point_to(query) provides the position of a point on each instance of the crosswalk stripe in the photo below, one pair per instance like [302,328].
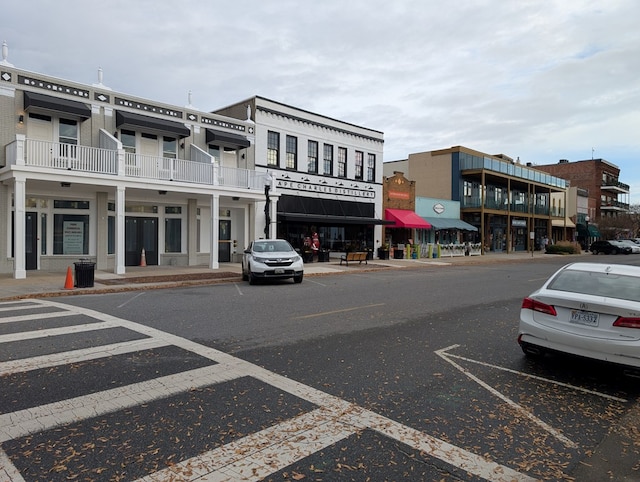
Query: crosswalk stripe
[64,330]
[36,316]
[76,356]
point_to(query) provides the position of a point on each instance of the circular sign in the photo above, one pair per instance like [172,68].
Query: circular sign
[438,208]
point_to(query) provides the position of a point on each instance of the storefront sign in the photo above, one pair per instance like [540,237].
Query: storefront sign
[325,189]
[438,208]
[398,195]
[519,223]
[73,232]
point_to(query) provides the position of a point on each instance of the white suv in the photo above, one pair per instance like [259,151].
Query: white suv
[271,259]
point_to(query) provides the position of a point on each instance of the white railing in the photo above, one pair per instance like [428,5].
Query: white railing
[56,155]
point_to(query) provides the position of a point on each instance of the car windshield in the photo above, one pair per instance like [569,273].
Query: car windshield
[271,246]
[598,284]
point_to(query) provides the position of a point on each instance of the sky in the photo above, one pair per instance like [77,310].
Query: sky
[535,80]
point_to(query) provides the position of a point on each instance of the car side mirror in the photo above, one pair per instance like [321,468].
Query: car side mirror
[247,251]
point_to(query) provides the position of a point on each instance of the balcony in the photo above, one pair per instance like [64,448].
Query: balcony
[614,186]
[118,163]
[614,206]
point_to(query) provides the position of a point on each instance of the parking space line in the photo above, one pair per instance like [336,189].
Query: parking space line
[76,356]
[333,312]
[546,380]
[519,408]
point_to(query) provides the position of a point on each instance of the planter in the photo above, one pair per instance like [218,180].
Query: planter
[307,256]
[323,256]
[383,253]
[398,254]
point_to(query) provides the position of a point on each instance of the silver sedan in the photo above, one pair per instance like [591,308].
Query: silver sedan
[585,309]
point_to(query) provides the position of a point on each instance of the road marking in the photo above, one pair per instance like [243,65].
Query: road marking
[315,282]
[519,408]
[76,356]
[547,380]
[345,310]
[238,288]
[131,299]
[23,305]
[65,330]
[338,418]
[35,316]
[8,471]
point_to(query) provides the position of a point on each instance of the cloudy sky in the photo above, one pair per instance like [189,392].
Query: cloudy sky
[537,80]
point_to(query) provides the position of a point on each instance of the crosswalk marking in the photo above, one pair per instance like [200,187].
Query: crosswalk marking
[35,316]
[65,330]
[77,356]
[250,458]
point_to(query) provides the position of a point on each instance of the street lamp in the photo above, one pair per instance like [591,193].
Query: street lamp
[267,205]
[586,220]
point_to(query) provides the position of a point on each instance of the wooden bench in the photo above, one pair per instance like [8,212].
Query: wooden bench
[353,256]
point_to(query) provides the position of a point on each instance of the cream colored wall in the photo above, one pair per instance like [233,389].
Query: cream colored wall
[432,174]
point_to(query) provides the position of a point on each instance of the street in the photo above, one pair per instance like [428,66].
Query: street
[408,374]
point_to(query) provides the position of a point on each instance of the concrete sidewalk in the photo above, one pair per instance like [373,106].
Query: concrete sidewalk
[47,284]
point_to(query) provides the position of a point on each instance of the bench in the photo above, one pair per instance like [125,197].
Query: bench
[353,256]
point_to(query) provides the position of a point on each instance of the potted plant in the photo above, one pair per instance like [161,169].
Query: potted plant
[383,251]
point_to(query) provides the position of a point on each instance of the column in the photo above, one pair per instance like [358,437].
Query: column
[119,234]
[102,230]
[215,230]
[192,232]
[20,259]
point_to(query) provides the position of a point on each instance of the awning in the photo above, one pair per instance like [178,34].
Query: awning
[328,219]
[226,139]
[133,120]
[404,218]
[450,223]
[55,104]
[593,231]
[560,223]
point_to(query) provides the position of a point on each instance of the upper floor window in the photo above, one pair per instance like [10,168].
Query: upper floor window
[273,148]
[68,132]
[292,152]
[359,164]
[371,167]
[342,162]
[169,147]
[312,163]
[328,159]
[128,139]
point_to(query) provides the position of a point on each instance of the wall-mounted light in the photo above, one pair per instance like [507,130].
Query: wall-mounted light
[235,198]
[286,176]
[324,181]
[65,184]
[162,193]
[182,145]
[242,156]
[21,119]
[305,179]
[340,184]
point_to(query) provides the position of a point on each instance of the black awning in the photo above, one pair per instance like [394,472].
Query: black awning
[226,139]
[139,121]
[328,219]
[56,104]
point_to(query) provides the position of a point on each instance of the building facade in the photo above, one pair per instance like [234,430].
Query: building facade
[86,172]
[510,204]
[328,174]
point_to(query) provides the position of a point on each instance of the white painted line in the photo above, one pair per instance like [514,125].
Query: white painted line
[442,354]
[315,282]
[238,288]
[546,380]
[333,312]
[65,330]
[131,299]
[8,471]
[25,306]
[45,417]
[35,316]
[76,356]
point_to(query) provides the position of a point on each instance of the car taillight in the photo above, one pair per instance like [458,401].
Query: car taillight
[624,322]
[534,305]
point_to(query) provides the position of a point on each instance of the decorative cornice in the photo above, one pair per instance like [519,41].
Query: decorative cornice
[53,86]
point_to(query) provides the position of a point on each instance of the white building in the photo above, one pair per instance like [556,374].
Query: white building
[86,172]
[328,174]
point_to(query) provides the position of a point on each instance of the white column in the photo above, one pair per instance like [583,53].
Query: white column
[273,214]
[119,234]
[215,231]
[19,262]
[192,232]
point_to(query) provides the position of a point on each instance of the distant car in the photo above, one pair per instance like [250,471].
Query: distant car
[635,248]
[586,309]
[271,259]
[609,247]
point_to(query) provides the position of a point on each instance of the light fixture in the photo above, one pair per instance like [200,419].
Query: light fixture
[21,119]
[162,193]
[235,198]
[305,179]
[65,184]
[182,145]
[286,176]
[324,181]
[340,184]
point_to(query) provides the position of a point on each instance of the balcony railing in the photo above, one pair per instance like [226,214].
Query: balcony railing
[71,157]
[615,185]
[614,206]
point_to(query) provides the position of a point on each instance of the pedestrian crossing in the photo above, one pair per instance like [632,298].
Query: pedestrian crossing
[282,422]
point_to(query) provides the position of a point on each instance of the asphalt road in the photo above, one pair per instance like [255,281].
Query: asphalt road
[423,362]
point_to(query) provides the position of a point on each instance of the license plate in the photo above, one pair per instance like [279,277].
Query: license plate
[279,271]
[588,318]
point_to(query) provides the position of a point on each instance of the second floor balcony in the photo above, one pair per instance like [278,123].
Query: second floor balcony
[200,170]
[514,208]
[614,186]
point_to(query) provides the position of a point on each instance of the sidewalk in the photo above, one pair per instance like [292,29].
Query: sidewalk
[47,284]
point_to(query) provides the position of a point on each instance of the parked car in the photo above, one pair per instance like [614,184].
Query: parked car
[635,248]
[609,247]
[585,309]
[271,259]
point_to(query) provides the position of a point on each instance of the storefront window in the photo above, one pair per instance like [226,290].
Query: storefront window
[173,235]
[70,234]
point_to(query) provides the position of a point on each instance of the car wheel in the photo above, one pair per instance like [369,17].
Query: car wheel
[594,251]
[614,251]
[252,278]
[297,279]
